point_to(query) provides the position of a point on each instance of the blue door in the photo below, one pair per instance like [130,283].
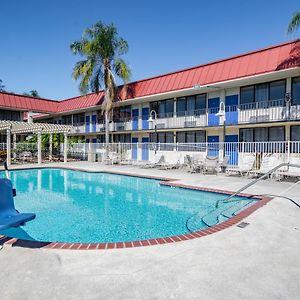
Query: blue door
[94,121]
[213,109]
[87,123]
[231,148]
[231,112]
[134,148]
[145,148]
[145,117]
[213,146]
[94,141]
[135,119]
[87,141]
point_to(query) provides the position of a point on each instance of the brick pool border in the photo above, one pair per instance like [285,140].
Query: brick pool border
[141,243]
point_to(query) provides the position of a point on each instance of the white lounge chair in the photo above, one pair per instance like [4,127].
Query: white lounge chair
[245,165]
[158,160]
[172,163]
[211,165]
[291,172]
[224,164]
[267,164]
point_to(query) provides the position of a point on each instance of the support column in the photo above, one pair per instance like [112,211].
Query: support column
[175,107]
[8,147]
[50,146]
[15,145]
[39,144]
[65,147]
[222,122]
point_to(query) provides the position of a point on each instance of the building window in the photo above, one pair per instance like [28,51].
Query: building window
[263,95]
[164,109]
[122,138]
[277,91]
[181,106]
[191,105]
[295,133]
[78,119]
[296,91]
[191,136]
[10,115]
[67,120]
[122,114]
[262,134]
[247,95]
[276,134]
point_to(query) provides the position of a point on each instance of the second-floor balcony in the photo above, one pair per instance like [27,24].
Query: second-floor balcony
[248,113]
[184,119]
[268,111]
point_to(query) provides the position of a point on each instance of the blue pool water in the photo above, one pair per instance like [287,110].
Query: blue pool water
[74,206]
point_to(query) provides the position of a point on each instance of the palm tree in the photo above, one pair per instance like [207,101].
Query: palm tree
[2,86]
[102,48]
[294,23]
[33,93]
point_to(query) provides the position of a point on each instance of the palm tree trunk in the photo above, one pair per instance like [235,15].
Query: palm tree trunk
[106,133]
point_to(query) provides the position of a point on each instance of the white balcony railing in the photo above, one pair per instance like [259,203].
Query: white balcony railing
[249,113]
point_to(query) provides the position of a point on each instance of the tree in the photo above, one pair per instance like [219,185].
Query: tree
[294,23]
[2,86]
[102,48]
[32,93]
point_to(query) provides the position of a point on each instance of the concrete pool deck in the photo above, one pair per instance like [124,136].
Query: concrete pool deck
[260,261]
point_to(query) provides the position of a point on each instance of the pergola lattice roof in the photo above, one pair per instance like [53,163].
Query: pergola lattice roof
[24,127]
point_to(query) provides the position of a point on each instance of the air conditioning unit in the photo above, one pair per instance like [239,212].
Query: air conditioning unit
[190,124]
[161,126]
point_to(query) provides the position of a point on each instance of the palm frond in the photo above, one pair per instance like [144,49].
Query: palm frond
[84,70]
[294,23]
[96,80]
[122,70]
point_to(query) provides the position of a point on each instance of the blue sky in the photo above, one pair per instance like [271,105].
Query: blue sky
[163,36]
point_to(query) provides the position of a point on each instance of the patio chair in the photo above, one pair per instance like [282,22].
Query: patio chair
[9,216]
[187,161]
[224,164]
[267,163]
[158,160]
[26,156]
[290,172]
[211,165]
[197,163]
[172,163]
[113,158]
[244,167]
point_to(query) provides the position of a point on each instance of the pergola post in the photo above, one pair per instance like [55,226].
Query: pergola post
[65,147]
[39,144]
[8,147]
[50,146]
[15,145]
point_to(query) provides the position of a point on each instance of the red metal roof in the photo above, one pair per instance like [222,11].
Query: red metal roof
[261,61]
[79,102]
[20,102]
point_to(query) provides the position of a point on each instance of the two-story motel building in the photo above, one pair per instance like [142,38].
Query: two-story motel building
[260,91]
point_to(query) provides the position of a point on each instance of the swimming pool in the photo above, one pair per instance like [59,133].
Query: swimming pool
[76,206]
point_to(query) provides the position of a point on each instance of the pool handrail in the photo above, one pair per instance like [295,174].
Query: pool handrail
[258,179]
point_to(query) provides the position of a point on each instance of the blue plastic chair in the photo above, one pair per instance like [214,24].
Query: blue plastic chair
[9,216]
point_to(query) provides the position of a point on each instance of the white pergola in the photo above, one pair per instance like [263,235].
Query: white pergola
[17,127]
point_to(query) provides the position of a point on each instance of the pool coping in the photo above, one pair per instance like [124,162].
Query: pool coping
[166,181]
